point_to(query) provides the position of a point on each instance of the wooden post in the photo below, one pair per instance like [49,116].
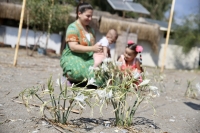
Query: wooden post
[168,33]
[124,14]
[19,32]
[49,25]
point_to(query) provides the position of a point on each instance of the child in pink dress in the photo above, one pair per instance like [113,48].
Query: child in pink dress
[129,60]
[110,38]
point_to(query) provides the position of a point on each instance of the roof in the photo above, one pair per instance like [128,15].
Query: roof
[10,10]
[128,5]
[163,25]
[12,1]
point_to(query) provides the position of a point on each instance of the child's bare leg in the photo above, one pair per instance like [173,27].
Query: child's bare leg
[98,59]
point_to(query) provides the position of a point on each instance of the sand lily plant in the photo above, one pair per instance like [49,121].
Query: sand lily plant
[59,106]
[119,87]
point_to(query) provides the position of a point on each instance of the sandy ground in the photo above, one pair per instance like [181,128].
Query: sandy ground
[174,112]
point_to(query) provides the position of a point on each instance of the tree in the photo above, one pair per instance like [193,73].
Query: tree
[47,15]
[157,8]
[188,34]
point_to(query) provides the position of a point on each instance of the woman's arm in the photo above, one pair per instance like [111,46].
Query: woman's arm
[75,47]
[72,39]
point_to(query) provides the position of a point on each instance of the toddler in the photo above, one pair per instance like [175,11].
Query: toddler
[110,38]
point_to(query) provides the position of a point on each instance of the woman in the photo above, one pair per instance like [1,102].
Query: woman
[78,54]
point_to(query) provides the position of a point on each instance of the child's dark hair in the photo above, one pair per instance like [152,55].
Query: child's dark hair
[82,7]
[132,46]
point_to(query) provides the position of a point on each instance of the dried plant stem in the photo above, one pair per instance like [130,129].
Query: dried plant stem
[36,105]
[57,127]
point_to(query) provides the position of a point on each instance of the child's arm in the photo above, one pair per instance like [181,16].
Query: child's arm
[105,51]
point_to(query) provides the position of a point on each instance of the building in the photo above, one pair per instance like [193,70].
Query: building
[175,58]
[9,22]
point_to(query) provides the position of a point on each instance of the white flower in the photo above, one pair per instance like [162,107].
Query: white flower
[136,74]
[93,68]
[118,63]
[58,82]
[80,98]
[104,67]
[107,60]
[61,81]
[91,81]
[46,91]
[109,95]
[101,93]
[157,93]
[198,87]
[153,88]
[144,82]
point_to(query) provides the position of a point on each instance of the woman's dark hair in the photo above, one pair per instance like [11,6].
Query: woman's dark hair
[132,46]
[82,7]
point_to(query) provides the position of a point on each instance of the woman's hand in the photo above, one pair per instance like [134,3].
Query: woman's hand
[97,48]
[75,47]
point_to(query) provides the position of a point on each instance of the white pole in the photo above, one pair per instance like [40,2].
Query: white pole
[168,34]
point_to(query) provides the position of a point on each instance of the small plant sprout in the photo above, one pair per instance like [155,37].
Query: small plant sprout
[191,91]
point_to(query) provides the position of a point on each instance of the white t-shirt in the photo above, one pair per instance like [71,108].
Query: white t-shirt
[104,42]
[87,36]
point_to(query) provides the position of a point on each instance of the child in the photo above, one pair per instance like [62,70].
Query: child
[129,60]
[110,38]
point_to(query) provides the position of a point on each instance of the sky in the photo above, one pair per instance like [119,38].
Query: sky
[184,8]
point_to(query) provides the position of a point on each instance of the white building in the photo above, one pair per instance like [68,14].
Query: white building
[8,36]
[175,58]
